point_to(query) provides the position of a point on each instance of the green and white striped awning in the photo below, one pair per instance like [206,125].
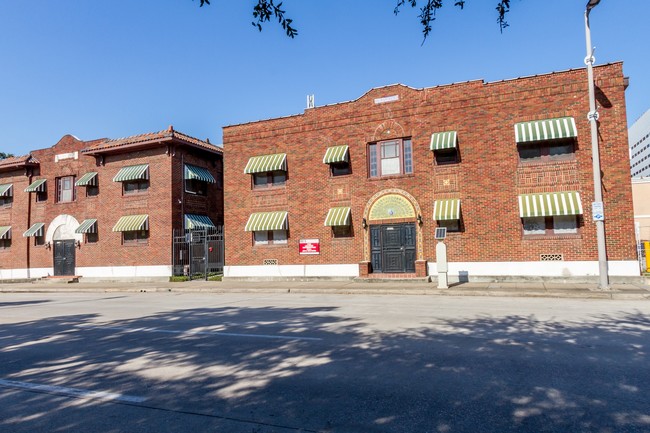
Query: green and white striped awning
[132,172]
[5,232]
[443,140]
[338,216]
[35,230]
[262,221]
[549,129]
[6,190]
[88,179]
[87,226]
[198,173]
[336,154]
[197,222]
[37,186]
[550,204]
[264,163]
[448,209]
[131,223]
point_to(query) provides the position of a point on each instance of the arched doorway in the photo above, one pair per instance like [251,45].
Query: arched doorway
[393,237]
[61,234]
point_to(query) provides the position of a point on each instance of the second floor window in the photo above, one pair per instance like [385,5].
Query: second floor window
[269,179]
[135,186]
[65,191]
[390,158]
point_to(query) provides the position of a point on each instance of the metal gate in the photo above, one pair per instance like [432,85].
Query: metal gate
[198,252]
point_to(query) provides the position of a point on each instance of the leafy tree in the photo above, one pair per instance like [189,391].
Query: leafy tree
[266,10]
[5,155]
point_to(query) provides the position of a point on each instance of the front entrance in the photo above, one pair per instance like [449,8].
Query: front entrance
[64,257]
[392,248]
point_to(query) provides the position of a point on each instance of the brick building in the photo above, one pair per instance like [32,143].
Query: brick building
[106,208]
[357,188]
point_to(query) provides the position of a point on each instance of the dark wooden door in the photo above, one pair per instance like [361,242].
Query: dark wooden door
[392,248]
[64,257]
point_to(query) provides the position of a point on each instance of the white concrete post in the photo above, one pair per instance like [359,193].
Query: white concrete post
[442,266]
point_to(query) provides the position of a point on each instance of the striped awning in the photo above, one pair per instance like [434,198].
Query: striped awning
[549,129]
[336,154]
[35,230]
[267,221]
[37,186]
[550,204]
[198,173]
[443,140]
[88,179]
[338,216]
[264,163]
[197,222]
[6,190]
[448,209]
[132,172]
[87,226]
[131,223]
[5,232]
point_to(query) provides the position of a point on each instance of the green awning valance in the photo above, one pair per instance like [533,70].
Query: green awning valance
[446,209]
[336,154]
[197,222]
[88,179]
[87,226]
[37,186]
[132,223]
[198,173]
[550,204]
[6,190]
[132,172]
[549,129]
[338,216]
[264,163]
[5,232]
[35,230]
[443,140]
[267,221]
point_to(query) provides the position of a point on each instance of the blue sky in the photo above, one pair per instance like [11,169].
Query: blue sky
[116,68]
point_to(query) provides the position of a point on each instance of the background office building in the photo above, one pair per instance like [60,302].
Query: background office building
[639,139]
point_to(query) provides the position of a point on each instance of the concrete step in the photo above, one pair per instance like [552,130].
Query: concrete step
[58,279]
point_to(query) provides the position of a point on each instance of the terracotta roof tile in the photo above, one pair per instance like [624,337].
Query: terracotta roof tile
[17,161]
[166,135]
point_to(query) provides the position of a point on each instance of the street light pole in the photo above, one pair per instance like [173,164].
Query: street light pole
[597,206]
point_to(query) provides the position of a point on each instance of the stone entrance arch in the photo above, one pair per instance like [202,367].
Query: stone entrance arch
[393,206]
[62,228]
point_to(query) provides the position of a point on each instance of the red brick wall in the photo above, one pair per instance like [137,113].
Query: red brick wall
[487,180]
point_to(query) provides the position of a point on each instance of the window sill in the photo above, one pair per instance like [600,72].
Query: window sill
[269,188]
[135,194]
[270,246]
[550,237]
[135,244]
[547,162]
[392,176]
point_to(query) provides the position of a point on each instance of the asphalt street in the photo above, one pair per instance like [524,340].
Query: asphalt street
[272,362]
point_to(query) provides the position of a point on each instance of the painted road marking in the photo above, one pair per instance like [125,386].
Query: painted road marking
[213,333]
[72,392]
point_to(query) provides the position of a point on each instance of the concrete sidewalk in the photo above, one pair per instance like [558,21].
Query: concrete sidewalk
[630,291]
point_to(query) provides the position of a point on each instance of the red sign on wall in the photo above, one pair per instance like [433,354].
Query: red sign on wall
[309,246]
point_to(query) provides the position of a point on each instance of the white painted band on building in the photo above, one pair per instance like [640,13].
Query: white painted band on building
[99,272]
[293,271]
[568,269]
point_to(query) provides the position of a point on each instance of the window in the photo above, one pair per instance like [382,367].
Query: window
[65,191]
[92,190]
[93,238]
[446,156]
[270,237]
[550,225]
[390,158]
[269,179]
[6,201]
[340,168]
[196,186]
[135,237]
[342,231]
[5,244]
[39,240]
[135,186]
[546,151]
[451,225]
[41,196]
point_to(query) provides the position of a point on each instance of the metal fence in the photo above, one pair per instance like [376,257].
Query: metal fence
[199,252]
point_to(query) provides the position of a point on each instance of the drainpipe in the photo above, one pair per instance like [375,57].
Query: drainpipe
[29,222]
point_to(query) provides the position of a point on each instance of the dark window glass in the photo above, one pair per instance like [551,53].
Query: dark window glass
[196,186]
[5,244]
[39,240]
[546,151]
[340,168]
[92,238]
[269,179]
[446,156]
[6,201]
[342,231]
[135,186]
[41,196]
[92,190]
[135,237]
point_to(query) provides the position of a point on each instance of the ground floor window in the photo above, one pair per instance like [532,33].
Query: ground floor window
[135,237]
[270,237]
[5,244]
[342,231]
[92,238]
[451,225]
[550,225]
